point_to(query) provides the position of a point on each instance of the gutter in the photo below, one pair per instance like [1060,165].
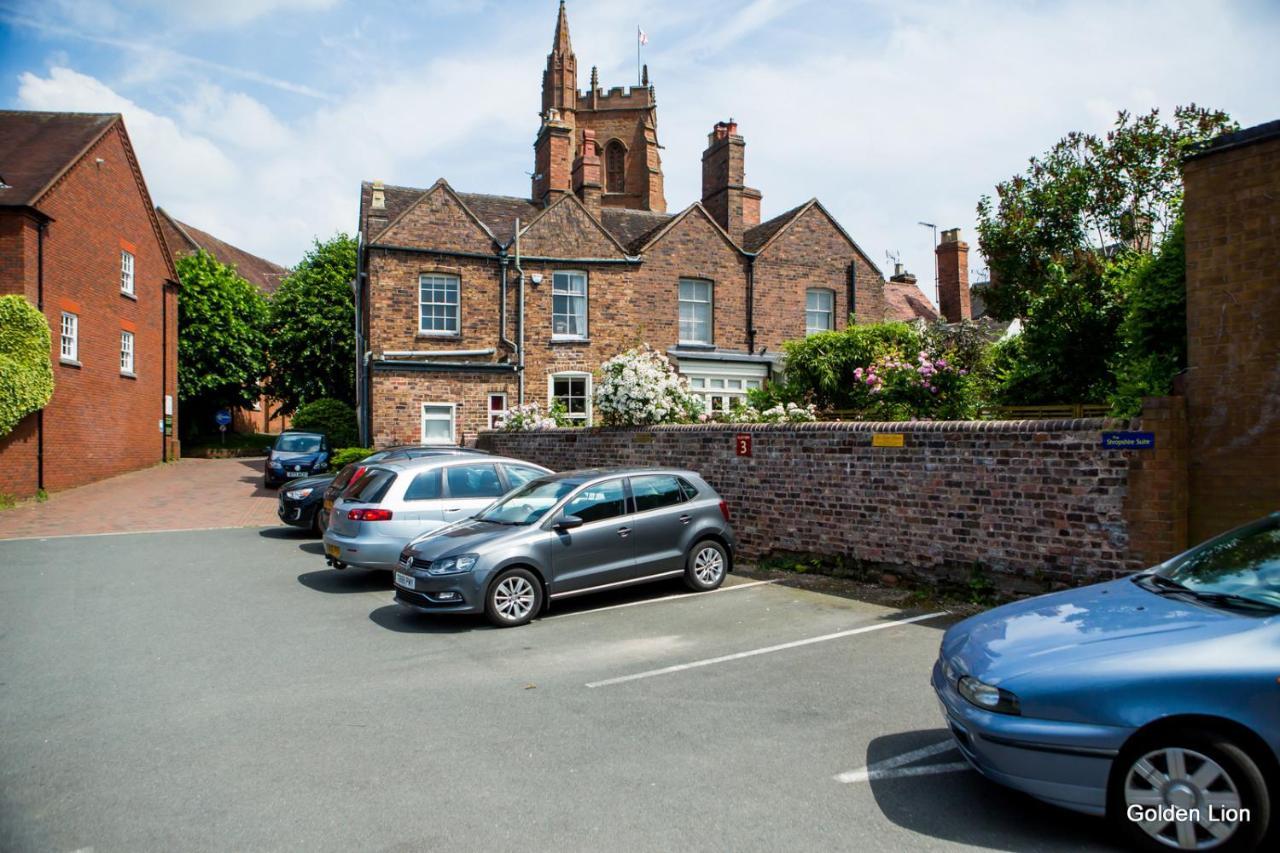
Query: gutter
[381,365]
[432,353]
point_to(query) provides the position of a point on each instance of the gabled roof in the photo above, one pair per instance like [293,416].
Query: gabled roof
[662,230]
[572,200]
[757,239]
[185,239]
[633,227]
[500,212]
[905,301]
[36,149]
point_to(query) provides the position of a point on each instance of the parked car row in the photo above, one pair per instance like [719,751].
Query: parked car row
[465,531]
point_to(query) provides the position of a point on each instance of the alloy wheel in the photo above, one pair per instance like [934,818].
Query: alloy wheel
[708,565]
[1184,799]
[513,598]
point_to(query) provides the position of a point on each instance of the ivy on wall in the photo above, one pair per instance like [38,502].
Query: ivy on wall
[26,368]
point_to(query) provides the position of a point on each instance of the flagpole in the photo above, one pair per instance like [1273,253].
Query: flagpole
[637,54]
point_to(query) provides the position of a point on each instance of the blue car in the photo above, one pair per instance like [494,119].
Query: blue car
[1153,699]
[294,455]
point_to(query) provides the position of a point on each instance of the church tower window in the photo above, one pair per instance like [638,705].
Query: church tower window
[615,167]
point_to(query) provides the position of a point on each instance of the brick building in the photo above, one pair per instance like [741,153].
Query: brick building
[1232,218]
[184,239]
[80,239]
[469,303]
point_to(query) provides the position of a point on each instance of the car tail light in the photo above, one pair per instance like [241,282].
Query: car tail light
[356,475]
[724,509]
[369,515]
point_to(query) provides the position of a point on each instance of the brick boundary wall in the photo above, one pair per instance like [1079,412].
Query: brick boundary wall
[1037,504]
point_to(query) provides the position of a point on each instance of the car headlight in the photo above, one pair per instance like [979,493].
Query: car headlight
[988,697]
[297,494]
[453,565]
[274,464]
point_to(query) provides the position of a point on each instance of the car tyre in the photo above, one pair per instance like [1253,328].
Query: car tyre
[706,565]
[1185,767]
[317,521]
[514,598]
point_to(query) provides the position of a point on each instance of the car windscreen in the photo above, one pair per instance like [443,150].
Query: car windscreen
[528,503]
[1244,562]
[371,486]
[297,443]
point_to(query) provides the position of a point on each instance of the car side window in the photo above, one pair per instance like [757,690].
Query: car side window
[473,481]
[518,475]
[598,502]
[689,491]
[656,491]
[425,487]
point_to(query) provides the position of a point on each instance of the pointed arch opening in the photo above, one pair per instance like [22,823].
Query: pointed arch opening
[615,167]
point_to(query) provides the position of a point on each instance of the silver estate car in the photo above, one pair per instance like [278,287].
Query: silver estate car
[569,534]
[393,502]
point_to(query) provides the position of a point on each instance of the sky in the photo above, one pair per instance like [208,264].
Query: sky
[256,120]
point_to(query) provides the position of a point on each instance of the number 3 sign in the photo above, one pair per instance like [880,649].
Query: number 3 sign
[742,444]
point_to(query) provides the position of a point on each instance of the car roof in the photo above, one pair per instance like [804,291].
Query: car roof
[300,432]
[419,463]
[586,475]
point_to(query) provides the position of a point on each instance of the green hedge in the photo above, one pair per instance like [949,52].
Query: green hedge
[347,455]
[332,417]
[26,370]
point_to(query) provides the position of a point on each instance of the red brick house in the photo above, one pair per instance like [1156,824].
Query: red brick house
[81,240]
[184,239]
[469,303]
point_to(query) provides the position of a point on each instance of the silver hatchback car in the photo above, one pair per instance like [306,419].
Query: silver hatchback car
[393,502]
[570,534]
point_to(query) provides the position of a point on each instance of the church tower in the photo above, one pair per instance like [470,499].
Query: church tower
[623,125]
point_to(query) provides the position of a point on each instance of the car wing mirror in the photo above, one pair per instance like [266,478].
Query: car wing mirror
[567,522]
[267,450]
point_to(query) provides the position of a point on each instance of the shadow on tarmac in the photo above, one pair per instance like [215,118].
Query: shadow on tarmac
[346,580]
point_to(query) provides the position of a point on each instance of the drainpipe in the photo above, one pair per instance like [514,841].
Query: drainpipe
[751,303]
[362,396]
[503,261]
[519,324]
[164,361]
[40,229]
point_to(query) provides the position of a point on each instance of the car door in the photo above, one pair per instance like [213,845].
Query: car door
[661,521]
[423,502]
[601,551]
[469,488]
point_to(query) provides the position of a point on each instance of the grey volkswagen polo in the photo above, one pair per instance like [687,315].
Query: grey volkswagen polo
[570,534]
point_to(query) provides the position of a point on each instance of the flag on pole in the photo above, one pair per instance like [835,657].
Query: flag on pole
[642,36]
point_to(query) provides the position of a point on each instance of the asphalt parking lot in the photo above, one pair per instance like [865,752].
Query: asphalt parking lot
[223,690]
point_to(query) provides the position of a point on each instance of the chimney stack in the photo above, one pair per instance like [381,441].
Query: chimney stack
[586,173]
[552,159]
[732,204]
[953,277]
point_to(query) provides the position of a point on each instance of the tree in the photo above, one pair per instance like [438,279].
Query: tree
[312,343]
[222,340]
[1061,238]
[1087,200]
[334,418]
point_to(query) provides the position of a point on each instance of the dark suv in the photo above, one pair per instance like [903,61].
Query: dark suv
[295,454]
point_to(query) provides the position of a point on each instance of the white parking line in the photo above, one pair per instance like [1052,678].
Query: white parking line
[794,644]
[677,597]
[891,768]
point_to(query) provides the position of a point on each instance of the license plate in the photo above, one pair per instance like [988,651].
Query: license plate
[333,550]
[292,474]
[404,580]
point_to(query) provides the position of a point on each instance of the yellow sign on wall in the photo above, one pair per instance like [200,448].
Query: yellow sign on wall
[886,439]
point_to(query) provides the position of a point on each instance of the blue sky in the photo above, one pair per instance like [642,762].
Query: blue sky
[257,119]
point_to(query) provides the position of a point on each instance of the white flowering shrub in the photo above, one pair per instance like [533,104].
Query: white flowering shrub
[779,414]
[531,417]
[640,387]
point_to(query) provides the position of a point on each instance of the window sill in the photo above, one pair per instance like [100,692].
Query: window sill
[565,339]
[695,345]
[127,295]
[70,362]
[438,336]
[124,374]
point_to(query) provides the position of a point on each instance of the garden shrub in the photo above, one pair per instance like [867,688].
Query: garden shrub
[531,416]
[346,455]
[26,370]
[641,387]
[332,417]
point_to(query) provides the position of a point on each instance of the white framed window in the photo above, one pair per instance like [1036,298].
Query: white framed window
[126,352]
[695,311]
[126,272]
[569,305]
[438,421]
[497,408]
[70,345]
[438,304]
[819,310]
[719,386]
[573,391]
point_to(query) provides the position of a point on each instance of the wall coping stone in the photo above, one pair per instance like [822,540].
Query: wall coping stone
[1060,425]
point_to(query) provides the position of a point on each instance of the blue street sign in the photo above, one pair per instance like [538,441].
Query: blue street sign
[1129,440]
[223,417]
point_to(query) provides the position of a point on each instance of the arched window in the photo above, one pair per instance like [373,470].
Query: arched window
[615,160]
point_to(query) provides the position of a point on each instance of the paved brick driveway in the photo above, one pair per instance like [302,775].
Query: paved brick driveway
[190,493]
